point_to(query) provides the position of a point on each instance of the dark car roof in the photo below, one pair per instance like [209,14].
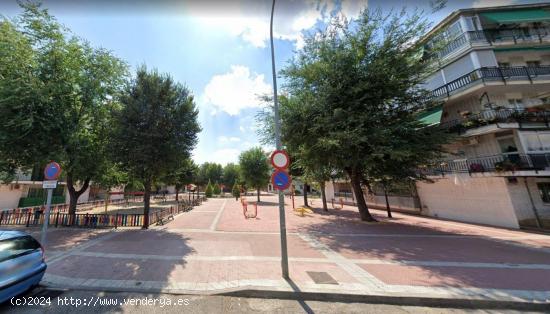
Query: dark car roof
[8,234]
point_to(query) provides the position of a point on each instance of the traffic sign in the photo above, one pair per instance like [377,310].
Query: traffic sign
[51,184]
[52,171]
[281,180]
[280,159]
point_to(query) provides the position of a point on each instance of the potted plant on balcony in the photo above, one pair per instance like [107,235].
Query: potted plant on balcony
[506,165]
[475,167]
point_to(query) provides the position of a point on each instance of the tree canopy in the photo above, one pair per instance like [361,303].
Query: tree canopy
[254,167]
[156,128]
[353,94]
[56,95]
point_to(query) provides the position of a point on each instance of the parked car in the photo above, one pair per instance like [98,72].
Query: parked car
[22,264]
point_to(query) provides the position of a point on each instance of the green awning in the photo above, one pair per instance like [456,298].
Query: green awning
[517,16]
[431,117]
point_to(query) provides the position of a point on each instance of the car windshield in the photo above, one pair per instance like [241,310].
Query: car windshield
[15,247]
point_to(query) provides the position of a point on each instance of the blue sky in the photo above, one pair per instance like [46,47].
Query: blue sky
[219,49]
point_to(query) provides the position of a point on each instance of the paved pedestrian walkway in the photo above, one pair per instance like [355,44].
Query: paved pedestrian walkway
[214,248]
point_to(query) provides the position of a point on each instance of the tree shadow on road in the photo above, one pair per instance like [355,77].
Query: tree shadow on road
[401,240]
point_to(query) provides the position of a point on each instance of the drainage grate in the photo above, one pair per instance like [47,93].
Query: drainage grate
[321,277]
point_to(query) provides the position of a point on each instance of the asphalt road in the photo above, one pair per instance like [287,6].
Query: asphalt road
[77,301]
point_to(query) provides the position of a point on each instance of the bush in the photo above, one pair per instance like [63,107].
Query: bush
[209,190]
[236,191]
[217,189]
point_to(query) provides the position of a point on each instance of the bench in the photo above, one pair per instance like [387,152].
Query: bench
[162,220]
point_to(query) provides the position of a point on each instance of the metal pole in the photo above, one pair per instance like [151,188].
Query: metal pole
[46,217]
[284,253]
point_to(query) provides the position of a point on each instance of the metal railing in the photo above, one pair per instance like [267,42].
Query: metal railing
[36,218]
[490,74]
[495,116]
[496,163]
[493,38]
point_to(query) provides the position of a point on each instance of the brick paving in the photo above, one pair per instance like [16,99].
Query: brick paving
[214,248]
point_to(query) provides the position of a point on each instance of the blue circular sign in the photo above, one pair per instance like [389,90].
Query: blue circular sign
[52,171]
[281,180]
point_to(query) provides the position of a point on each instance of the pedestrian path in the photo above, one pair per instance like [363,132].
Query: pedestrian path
[214,248]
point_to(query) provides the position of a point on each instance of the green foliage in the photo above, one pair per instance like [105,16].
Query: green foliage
[217,190]
[230,174]
[182,174]
[209,190]
[353,92]
[236,191]
[155,129]
[254,168]
[56,95]
[209,171]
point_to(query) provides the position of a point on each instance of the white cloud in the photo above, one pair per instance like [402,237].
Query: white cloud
[231,139]
[225,156]
[251,22]
[236,90]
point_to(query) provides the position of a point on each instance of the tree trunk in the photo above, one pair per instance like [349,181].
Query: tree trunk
[305,195]
[324,196]
[258,195]
[74,195]
[146,204]
[177,194]
[355,178]
[387,202]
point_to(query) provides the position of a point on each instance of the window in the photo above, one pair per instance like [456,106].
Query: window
[533,64]
[544,190]
[504,64]
[13,248]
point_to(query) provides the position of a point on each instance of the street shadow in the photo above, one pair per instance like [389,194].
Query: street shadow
[402,240]
[301,301]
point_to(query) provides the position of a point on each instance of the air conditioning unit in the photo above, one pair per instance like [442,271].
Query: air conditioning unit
[473,141]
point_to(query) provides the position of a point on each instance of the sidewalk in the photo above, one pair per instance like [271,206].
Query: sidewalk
[214,249]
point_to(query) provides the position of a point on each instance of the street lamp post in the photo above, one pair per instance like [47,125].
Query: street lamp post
[284,253]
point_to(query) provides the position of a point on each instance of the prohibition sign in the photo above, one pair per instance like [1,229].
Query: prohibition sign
[280,159]
[281,180]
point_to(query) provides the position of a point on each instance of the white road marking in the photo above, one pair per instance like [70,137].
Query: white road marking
[215,222]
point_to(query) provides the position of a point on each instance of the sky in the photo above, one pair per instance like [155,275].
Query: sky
[218,49]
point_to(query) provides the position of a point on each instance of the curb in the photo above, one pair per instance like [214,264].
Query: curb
[437,302]
[463,303]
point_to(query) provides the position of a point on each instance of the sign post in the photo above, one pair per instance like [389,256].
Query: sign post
[51,173]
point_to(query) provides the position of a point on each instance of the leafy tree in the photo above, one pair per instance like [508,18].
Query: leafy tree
[181,175]
[155,129]
[356,87]
[230,174]
[209,190]
[217,190]
[236,191]
[254,168]
[56,95]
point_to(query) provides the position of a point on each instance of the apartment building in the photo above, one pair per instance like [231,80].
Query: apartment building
[492,87]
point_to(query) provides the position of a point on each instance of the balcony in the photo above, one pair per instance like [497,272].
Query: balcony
[508,162]
[491,74]
[494,38]
[533,117]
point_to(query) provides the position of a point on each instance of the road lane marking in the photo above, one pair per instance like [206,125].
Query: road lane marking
[217,218]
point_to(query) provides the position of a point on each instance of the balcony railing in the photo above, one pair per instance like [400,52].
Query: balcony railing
[496,163]
[493,116]
[490,74]
[493,38]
